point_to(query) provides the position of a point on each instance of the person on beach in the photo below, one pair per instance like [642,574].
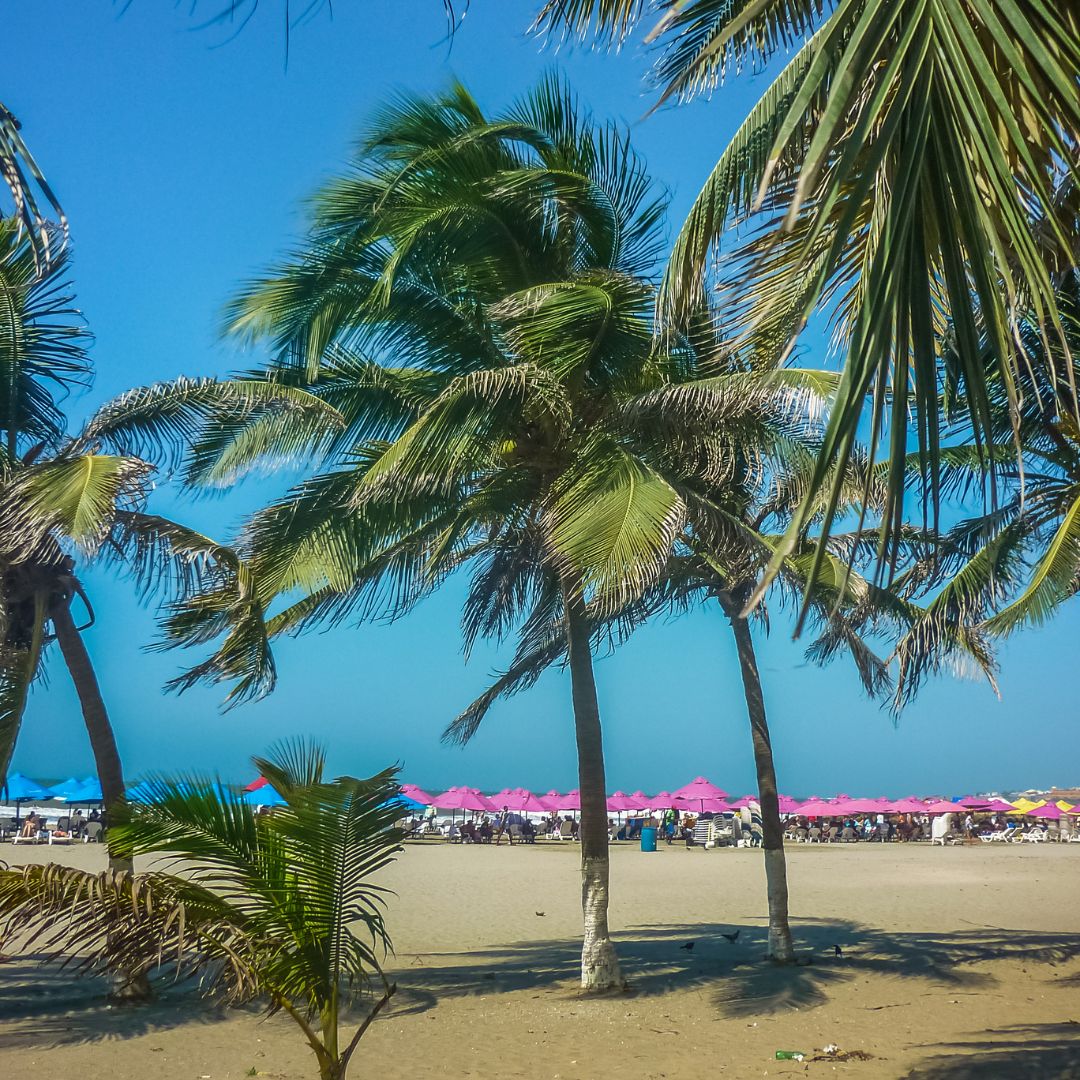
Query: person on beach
[30,826]
[504,827]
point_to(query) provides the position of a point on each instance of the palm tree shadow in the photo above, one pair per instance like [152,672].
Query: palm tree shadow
[743,983]
[41,1005]
[1019,1052]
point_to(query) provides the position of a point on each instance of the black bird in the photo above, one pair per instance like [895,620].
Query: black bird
[837,951]
[731,938]
[689,946]
[539,914]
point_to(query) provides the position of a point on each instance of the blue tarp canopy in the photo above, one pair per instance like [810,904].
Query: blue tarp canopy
[18,789]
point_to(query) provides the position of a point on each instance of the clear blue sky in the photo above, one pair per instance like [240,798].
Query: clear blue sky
[182,162]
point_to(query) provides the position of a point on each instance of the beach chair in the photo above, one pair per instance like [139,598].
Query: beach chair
[941,831]
[566,830]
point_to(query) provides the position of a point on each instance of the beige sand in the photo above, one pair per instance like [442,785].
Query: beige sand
[957,963]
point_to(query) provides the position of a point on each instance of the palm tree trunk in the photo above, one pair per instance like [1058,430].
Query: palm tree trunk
[780,943]
[95,715]
[129,985]
[599,964]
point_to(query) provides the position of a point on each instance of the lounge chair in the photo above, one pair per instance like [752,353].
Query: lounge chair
[941,831]
[566,830]
[91,833]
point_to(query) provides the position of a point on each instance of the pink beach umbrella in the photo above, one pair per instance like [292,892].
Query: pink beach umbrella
[462,798]
[417,794]
[1050,810]
[620,802]
[746,800]
[818,808]
[641,799]
[941,806]
[519,800]
[700,788]
[661,799]
[570,801]
[702,806]
[549,799]
[910,805]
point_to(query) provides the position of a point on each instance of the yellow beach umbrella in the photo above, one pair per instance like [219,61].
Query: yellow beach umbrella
[1063,805]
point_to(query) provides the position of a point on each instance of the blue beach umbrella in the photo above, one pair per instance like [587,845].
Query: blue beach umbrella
[263,796]
[65,789]
[19,788]
[139,793]
[89,791]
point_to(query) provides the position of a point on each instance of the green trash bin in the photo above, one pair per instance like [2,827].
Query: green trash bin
[648,838]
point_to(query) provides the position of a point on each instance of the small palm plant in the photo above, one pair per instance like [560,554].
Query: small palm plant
[279,907]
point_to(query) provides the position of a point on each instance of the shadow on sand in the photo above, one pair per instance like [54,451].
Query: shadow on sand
[40,1006]
[1020,1052]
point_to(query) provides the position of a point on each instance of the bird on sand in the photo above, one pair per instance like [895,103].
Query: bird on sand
[689,946]
[539,914]
[731,938]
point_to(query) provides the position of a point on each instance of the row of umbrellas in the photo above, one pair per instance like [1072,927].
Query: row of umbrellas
[19,788]
[699,796]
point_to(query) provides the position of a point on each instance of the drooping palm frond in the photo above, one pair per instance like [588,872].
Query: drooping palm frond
[912,170]
[26,182]
[43,343]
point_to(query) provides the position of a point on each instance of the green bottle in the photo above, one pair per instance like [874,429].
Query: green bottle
[789,1055]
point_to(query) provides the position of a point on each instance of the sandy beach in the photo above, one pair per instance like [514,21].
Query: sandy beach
[956,963]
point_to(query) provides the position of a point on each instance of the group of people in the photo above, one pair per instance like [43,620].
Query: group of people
[905,828]
[70,827]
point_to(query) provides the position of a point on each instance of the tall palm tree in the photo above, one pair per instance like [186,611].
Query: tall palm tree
[518,427]
[723,559]
[284,908]
[912,173]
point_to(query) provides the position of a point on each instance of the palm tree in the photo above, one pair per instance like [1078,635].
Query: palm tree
[723,560]
[281,907]
[1016,564]
[912,172]
[524,433]
[60,495]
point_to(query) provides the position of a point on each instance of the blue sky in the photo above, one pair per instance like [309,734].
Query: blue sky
[183,160]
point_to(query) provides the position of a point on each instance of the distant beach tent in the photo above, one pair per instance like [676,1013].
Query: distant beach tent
[462,798]
[264,795]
